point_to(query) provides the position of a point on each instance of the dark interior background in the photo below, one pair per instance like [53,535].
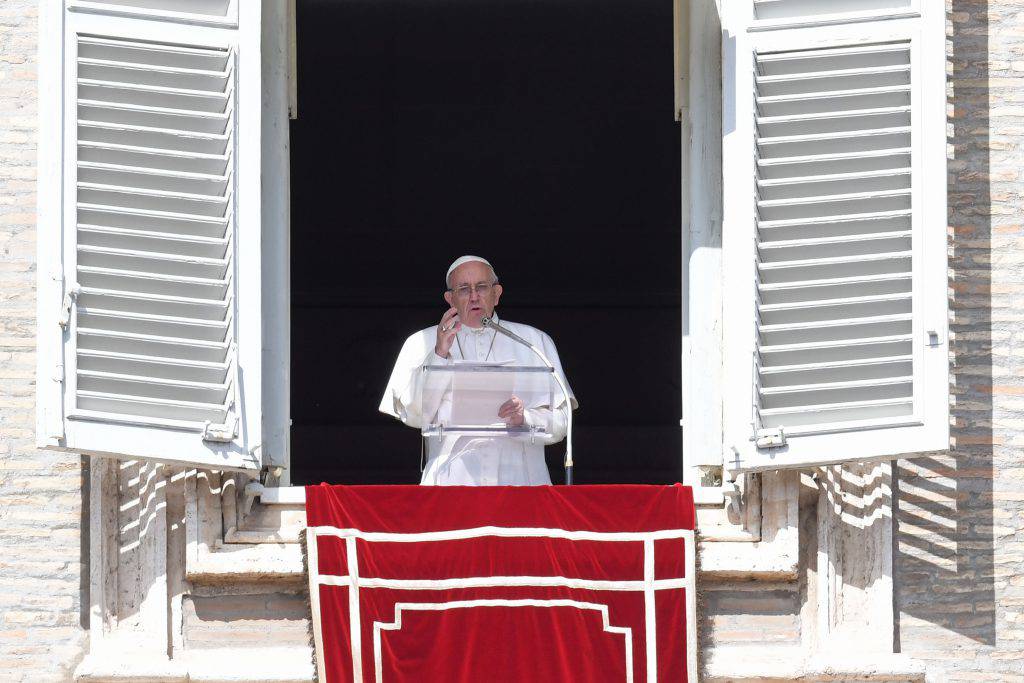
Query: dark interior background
[536,133]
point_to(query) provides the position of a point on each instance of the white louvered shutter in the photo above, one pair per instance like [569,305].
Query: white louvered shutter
[834,235]
[150,270]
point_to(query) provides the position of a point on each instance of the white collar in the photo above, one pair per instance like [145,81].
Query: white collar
[481,329]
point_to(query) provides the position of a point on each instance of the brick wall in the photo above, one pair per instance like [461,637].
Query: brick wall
[41,569]
[960,543]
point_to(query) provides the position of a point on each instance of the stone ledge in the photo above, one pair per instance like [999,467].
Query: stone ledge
[265,563]
[775,665]
[234,665]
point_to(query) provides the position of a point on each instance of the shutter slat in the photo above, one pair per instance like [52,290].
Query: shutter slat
[850,414]
[831,240]
[152,345]
[139,173]
[840,330]
[88,292]
[213,163]
[833,122]
[879,181]
[834,226]
[856,363]
[836,386]
[151,283]
[817,10]
[164,326]
[840,82]
[828,309]
[104,403]
[857,280]
[881,319]
[763,101]
[818,290]
[166,74]
[833,205]
[844,350]
[150,137]
[863,245]
[147,240]
[153,387]
[879,53]
[838,371]
[185,100]
[214,9]
[787,181]
[157,304]
[836,260]
[184,56]
[803,163]
[159,221]
[115,357]
[867,71]
[837,100]
[153,116]
[133,198]
[793,146]
[836,392]
[169,257]
[154,366]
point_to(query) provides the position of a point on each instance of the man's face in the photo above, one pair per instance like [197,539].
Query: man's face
[470,295]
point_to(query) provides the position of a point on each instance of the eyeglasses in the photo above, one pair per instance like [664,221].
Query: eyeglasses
[481,289]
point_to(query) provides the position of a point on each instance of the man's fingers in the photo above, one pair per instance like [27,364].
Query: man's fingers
[449,321]
[510,407]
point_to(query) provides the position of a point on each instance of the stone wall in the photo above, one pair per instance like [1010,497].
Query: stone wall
[41,525]
[960,520]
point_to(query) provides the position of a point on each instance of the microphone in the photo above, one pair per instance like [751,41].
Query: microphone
[488,322]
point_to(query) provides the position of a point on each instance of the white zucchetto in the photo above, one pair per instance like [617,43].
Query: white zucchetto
[465,259]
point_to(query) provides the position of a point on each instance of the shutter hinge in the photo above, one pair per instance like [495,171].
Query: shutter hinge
[222,432]
[70,297]
[771,438]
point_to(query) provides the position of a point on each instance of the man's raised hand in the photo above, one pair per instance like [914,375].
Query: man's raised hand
[446,330]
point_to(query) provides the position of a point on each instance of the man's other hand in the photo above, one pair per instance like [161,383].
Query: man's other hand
[511,411]
[446,330]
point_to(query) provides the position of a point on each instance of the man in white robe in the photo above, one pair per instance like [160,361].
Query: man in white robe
[518,460]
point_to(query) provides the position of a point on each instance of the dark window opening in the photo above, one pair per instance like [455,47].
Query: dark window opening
[535,133]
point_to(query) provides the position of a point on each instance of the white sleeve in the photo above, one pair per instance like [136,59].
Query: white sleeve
[554,422]
[401,397]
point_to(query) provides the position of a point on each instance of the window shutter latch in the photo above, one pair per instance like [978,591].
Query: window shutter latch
[771,438]
[69,301]
[221,432]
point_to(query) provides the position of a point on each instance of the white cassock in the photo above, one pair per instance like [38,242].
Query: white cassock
[473,460]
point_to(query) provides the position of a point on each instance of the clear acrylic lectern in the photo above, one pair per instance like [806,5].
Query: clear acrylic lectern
[463,398]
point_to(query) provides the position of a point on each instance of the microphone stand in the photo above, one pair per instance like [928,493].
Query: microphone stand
[561,385]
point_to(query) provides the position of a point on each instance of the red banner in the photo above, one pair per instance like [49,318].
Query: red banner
[546,583]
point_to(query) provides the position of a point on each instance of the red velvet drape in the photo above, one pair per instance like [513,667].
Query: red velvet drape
[500,584]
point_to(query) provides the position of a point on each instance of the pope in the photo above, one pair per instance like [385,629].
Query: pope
[472,294]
